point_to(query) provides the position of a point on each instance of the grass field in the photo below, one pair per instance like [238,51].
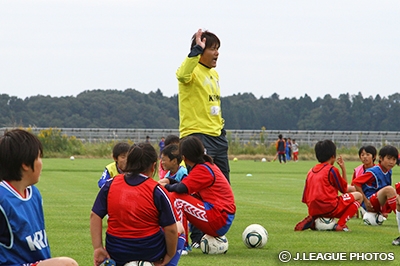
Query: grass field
[270,197]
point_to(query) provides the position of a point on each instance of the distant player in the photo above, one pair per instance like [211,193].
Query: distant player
[120,151]
[295,149]
[321,190]
[280,146]
[23,239]
[375,185]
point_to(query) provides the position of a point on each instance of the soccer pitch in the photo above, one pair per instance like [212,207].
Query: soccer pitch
[271,196]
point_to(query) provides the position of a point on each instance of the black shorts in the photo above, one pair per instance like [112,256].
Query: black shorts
[217,148]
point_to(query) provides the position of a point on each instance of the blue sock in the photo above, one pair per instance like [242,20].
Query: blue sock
[181,244]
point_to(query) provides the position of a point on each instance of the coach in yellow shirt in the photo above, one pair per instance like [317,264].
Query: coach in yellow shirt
[200,99]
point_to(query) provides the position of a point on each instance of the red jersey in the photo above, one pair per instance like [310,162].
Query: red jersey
[132,211]
[321,189]
[211,187]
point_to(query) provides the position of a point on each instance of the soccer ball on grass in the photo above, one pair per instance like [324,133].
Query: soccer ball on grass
[255,236]
[324,224]
[373,218]
[214,245]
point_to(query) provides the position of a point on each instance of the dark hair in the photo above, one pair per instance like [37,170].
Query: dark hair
[211,39]
[120,148]
[172,151]
[280,136]
[193,150]
[18,147]
[141,158]
[324,150]
[388,150]
[171,139]
[369,149]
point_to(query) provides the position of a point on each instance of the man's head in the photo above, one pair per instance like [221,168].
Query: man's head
[210,53]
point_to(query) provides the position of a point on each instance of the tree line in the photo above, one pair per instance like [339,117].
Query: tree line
[134,109]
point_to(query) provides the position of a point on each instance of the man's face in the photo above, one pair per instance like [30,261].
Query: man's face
[210,56]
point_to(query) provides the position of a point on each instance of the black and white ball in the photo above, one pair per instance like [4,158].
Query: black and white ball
[324,224]
[255,236]
[373,218]
[214,245]
[139,263]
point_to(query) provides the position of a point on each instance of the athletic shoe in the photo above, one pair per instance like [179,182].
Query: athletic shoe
[184,252]
[306,223]
[195,245]
[341,228]
[396,242]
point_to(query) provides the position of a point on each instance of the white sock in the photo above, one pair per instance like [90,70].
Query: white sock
[398,219]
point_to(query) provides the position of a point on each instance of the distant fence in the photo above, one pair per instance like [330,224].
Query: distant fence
[303,137]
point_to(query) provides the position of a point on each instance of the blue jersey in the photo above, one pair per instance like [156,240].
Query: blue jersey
[23,238]
[179,175]
[381,180]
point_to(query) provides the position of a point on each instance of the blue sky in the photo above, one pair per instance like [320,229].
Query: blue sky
[292,48]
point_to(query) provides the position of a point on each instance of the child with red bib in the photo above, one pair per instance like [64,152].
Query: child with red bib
[321,190]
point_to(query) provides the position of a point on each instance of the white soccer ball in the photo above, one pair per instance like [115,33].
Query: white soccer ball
[373,218]
[72,158]
[214,245]
[324,224]
[263,160]
[139,263]
[255,236]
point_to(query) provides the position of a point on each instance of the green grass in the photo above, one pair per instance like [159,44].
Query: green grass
[270,197]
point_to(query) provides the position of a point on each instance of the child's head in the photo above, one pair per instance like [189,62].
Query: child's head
[192,149]
[17,148]
[171,139]
[368,150]
[325,150]
[280,136]
[120,151]
[142,158]
[170,157]
[388,151]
